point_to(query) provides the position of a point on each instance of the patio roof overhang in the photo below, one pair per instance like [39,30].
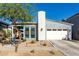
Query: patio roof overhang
[26,23]
[2,24]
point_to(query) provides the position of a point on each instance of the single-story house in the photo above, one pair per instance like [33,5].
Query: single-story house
[44,29]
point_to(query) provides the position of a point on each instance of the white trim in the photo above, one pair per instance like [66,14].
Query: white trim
[12,33]
[30,26]
[24,32]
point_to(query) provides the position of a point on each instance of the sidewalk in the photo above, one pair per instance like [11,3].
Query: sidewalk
[69,48]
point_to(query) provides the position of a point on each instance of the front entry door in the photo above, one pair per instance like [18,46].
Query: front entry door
[30,32]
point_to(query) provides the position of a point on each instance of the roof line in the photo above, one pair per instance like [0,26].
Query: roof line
[73,15]
[60,22]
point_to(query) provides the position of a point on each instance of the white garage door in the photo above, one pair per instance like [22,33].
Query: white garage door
[56,34]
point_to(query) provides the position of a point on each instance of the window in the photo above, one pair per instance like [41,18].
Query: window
[27,32]
[64,29]
[48,29]
[59,29]
[32,32]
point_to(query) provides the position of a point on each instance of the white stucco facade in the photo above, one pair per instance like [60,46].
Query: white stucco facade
[41,25]
[58,30]
[52,30]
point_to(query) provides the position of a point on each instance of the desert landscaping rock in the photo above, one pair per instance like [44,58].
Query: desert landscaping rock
[34,49]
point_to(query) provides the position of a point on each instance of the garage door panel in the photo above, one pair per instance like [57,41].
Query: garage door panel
[56,35]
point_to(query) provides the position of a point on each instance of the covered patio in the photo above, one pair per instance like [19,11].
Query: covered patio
[28,30]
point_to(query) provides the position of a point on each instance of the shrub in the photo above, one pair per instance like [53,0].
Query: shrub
[32,41]
[44,44]
[32,51]
[7,33]
[51,52]
[23,40]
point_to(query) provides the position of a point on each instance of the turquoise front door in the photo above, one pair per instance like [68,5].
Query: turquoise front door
[30,32]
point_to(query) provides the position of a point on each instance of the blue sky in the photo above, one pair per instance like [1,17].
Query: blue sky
[58,11]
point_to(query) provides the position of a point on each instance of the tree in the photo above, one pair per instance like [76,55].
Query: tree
[16,12]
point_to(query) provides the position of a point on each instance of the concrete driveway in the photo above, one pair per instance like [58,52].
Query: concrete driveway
[69,48]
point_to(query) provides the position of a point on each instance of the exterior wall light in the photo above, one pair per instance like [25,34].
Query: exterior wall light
[41,29]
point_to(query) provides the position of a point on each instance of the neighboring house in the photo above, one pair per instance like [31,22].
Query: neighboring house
[75,29]
[44,29]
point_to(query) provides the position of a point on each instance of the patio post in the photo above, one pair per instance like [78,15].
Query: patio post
[12,31]
[24,32]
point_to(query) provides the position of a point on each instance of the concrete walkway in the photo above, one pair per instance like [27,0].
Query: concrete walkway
[69,48]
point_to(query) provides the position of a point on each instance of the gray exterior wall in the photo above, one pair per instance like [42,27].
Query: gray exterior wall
[75,28]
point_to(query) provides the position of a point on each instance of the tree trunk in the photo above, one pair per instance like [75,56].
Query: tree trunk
[14,22]
[16,47]
[16,44]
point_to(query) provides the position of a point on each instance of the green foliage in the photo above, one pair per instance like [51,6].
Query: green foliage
[16,11]
[23,40]
[7,33]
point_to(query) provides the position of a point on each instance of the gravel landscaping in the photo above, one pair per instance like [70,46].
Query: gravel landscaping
[30,48]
